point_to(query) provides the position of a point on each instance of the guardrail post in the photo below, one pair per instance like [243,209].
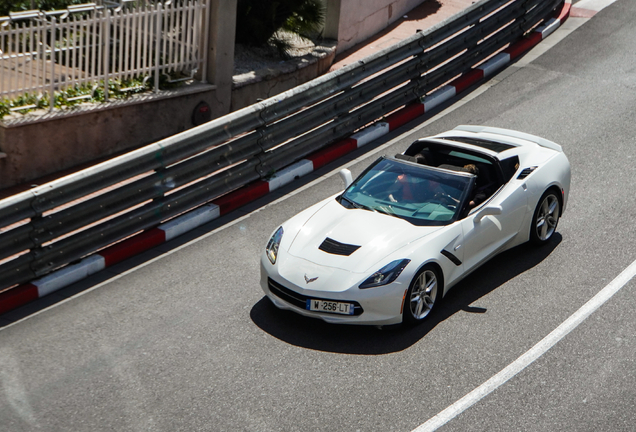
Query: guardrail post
[262,168]
[36,250]
[165,184]
[422,64]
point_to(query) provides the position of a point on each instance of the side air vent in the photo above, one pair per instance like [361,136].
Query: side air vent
[333,247]
[451,257]
[526,172]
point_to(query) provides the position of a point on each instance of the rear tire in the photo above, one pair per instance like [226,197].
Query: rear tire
[423,295]
[546,218]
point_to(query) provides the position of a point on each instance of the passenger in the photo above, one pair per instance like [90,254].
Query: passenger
[472,168]
[478,194]
[421,159]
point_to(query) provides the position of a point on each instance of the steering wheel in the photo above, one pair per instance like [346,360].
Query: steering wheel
[445,199]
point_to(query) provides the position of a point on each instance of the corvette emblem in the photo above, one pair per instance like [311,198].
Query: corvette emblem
[310,280]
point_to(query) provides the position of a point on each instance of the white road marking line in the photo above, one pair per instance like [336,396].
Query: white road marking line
[595,5]
[532,354]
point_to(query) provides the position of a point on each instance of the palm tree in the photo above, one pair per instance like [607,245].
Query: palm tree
[259,22]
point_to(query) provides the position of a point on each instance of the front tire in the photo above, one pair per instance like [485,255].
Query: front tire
[546,218]
[423,295]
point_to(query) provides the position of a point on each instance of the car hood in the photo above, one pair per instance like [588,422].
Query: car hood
[377,235]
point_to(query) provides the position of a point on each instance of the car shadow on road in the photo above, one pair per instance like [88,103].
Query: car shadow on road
[315,334]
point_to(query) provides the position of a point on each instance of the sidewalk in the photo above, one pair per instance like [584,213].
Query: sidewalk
[424,16]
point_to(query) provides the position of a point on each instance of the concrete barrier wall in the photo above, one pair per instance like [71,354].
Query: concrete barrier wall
[265,83]
[39,145]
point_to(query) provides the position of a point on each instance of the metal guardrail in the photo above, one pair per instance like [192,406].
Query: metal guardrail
[60,222]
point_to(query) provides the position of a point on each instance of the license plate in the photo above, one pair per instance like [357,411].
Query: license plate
[330,307]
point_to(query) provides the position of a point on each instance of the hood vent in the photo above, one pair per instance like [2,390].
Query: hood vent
[333,247]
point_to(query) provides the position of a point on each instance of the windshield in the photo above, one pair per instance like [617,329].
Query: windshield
[418,194]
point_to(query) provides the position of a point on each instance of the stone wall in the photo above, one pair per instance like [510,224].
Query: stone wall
[40,144]
[264,83]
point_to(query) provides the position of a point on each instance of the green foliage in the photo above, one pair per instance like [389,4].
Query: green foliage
[7,6]
[258,21]
[76,95]
[307,19]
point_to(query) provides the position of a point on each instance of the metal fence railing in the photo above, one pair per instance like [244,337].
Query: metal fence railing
[57,223]
[42,53]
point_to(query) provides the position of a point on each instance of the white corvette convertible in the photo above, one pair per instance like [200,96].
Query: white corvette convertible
[388,248]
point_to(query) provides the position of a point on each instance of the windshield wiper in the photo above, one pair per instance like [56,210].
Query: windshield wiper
[356,205]
[384,210]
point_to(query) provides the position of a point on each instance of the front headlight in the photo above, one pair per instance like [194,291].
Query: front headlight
[273,244]
[386,274]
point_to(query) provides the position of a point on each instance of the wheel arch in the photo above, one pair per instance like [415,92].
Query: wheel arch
[438,268]
[558,191]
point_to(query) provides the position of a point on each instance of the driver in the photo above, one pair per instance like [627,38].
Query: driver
[406,190]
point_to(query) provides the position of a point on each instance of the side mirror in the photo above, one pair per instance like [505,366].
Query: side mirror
[487,211]
[346,177]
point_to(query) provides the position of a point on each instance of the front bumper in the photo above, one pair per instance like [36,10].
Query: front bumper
[372,306]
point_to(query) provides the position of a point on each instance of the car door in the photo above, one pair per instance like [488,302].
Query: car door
[486,232]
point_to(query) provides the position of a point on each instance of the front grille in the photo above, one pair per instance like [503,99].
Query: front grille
[300,300]
[334,247]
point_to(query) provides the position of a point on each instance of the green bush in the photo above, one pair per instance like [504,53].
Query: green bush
[72,96]
[258,21]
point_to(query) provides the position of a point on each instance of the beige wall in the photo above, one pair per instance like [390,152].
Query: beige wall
[360,19]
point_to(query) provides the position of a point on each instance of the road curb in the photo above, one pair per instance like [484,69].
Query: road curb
[23,294]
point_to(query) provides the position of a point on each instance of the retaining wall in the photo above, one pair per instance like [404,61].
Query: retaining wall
[262,84]
[41,143]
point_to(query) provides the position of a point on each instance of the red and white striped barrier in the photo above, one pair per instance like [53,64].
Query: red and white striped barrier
[482,71]
[23,294]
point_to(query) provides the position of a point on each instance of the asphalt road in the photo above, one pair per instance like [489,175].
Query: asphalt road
[182,338]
